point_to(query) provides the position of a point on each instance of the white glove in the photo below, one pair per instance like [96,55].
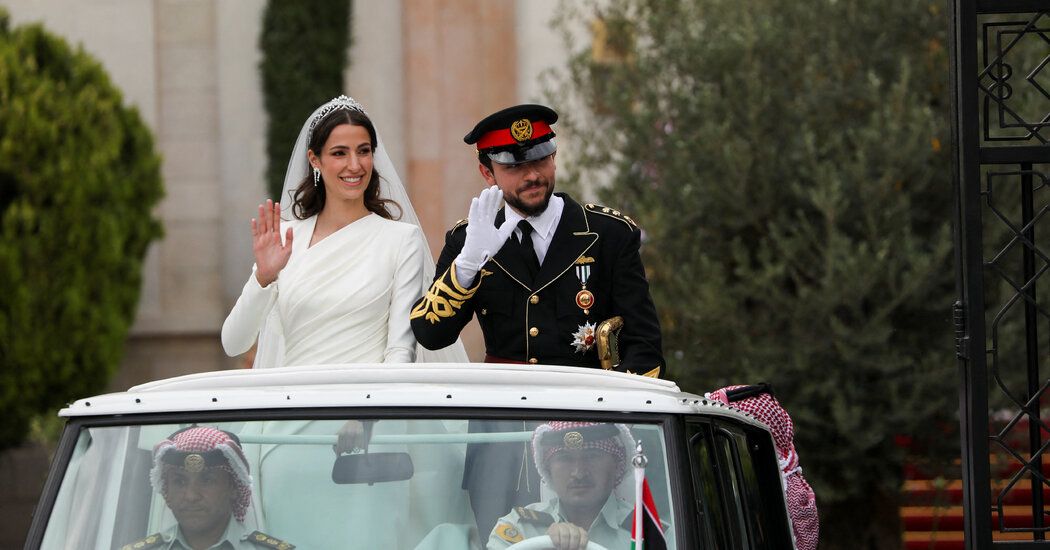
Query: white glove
[483,238]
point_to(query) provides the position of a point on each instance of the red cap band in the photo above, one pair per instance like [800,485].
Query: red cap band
[503,136]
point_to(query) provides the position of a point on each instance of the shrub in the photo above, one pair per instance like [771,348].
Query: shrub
[78,182]
[304,48]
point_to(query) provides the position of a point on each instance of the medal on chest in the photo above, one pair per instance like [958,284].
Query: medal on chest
[583,338]
[584,298]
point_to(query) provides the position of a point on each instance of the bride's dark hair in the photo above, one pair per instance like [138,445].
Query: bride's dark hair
[308,199]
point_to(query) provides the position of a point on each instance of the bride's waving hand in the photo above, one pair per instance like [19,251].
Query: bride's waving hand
[271,255]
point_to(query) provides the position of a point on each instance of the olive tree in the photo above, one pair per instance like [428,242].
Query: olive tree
[788,164]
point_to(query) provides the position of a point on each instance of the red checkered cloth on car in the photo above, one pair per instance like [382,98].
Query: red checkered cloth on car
[204,439]
[801,501]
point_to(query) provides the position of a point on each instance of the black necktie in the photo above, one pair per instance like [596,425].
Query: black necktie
[527,250]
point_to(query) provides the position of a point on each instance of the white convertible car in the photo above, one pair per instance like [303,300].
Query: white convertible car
[448,461]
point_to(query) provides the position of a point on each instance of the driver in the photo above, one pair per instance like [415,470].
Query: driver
[582,462]
[203,476]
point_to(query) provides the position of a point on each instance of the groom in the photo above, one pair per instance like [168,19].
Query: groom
[542,272]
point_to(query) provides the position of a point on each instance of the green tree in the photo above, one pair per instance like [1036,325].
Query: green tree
[788,163]
[304,47]
[78,181]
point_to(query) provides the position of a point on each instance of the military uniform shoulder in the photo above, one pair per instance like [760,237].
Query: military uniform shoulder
[461,224]
[259,538]
[508,532]
[534,517]
[151,541]
[612,213]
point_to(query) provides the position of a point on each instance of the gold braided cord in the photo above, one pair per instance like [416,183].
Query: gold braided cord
[443,300]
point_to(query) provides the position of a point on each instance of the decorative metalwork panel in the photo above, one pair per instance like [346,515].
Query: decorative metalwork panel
[1017,210]
[1000,72]
[1015,79]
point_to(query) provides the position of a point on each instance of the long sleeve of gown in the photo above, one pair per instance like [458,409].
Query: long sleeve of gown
[242,325]
[408,282]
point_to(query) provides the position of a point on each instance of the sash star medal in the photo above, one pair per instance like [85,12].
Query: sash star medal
[583,338]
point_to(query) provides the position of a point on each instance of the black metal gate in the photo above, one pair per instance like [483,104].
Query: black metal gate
[1000,76]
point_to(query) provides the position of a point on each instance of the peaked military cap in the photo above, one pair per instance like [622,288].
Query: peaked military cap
[516,134]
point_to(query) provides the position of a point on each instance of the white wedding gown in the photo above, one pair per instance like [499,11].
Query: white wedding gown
[346,299]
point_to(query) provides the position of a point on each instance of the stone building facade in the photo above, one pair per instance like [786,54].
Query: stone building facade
[426,70]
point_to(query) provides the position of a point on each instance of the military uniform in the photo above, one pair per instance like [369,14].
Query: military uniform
[533,311]
[592,271]
[236,537]
[611,529]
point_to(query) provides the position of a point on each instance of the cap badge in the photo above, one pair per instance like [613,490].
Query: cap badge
[193,463]
[521,130]
[573,440]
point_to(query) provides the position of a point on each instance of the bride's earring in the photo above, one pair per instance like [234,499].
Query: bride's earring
[317,176]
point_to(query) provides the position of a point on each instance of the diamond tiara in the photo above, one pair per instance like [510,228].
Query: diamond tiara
[341,102]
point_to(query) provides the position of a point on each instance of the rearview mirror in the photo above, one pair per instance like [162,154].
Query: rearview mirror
[372,468]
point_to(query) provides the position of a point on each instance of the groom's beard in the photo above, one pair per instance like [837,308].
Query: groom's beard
[536,208]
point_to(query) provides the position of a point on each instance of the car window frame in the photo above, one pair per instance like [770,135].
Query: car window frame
[766,501]
[671,423]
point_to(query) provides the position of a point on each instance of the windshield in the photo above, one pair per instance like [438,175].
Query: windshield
[404,483]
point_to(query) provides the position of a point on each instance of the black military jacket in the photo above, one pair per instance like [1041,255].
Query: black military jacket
[594,249]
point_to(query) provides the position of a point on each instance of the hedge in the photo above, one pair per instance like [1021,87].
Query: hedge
[79,179]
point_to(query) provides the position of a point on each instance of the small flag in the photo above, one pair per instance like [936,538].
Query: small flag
[646,531]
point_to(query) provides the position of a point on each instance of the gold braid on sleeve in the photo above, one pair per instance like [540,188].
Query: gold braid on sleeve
[443,299]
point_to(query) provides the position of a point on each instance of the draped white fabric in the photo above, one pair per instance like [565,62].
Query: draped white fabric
[340,292]
[345,299]
[382,515]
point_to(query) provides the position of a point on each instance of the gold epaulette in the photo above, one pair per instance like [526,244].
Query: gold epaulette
[459,224]
[259,538]
[142,544]
[543,519]
[606,211]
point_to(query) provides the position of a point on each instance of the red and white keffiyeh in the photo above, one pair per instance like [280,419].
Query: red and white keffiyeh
[206,442]
[616,444]
[801,501]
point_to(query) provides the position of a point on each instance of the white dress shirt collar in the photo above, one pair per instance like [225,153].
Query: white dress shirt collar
[543,225]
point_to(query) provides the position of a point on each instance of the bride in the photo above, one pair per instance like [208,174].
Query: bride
[339,286]
[335,283]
